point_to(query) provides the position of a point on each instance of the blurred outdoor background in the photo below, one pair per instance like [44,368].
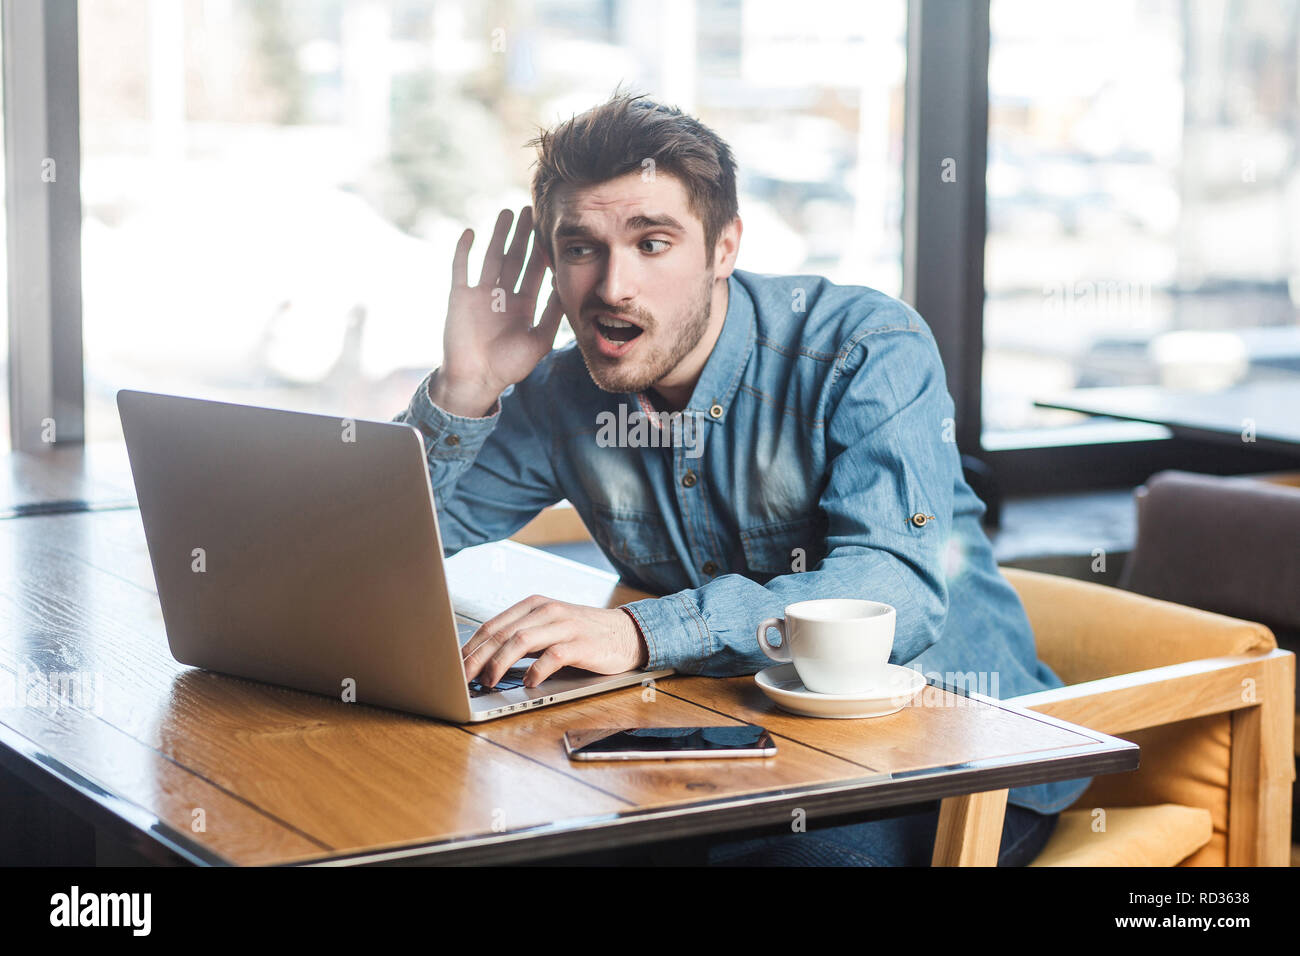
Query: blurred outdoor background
[272,189]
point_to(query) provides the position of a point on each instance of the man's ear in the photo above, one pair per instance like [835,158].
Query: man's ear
[727,248]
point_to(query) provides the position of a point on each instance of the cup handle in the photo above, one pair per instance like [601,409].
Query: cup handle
[779,654]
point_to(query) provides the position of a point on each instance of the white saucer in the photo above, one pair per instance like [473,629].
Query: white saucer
[896,690]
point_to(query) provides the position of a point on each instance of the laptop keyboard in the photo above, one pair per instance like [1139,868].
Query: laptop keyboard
[506,683]
[509,680]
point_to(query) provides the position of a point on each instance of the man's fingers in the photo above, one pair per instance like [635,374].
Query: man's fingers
[460,261]
[534,272]
[493,627]
[495,250]
[561,654]
[514,260]
[484,642]
[549,324]
[523,642]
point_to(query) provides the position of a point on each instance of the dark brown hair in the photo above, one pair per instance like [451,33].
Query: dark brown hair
[615,138]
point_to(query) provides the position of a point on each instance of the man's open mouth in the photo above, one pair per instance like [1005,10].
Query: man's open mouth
[616,330]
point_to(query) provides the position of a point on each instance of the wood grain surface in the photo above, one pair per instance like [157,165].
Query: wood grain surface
[280,776]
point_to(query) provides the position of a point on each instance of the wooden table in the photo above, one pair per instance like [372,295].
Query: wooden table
[185,765]
[1272,409]
[64,478]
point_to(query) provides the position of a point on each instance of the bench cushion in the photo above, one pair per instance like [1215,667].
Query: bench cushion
[1160,835]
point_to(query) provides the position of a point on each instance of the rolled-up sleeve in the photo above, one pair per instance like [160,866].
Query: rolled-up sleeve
[890,458]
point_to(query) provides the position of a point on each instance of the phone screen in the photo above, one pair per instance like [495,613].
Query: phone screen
[670,741]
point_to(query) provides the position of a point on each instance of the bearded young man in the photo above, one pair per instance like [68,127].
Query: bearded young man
[820,413]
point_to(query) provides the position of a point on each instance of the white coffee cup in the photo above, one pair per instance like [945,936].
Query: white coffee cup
[837,645]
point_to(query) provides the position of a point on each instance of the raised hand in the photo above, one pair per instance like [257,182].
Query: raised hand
[489,340]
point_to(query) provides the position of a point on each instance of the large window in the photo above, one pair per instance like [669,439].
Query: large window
[272,189]
[1143,199]
[6,441]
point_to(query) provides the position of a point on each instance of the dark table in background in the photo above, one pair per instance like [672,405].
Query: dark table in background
[1272,408]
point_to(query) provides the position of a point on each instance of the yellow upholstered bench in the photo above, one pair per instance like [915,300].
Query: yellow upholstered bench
[1160,835]
[1210,700]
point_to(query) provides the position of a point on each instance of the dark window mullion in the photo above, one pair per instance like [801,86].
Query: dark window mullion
[945,157]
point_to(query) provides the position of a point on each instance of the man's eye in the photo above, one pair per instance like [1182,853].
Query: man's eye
[572,250]
[665,243]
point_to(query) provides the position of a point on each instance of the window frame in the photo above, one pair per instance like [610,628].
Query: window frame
[943,236]
[944,231]
[43,139]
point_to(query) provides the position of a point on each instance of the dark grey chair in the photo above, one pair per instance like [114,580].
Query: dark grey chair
[1228,545]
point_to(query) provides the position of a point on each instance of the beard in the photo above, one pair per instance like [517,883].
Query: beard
[659,358]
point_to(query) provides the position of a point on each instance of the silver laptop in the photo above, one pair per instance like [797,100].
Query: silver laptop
[303,550]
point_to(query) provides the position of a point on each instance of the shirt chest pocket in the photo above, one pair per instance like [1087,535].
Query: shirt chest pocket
[783,547]
[634,538]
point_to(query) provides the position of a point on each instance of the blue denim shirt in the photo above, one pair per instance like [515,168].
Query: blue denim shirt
[820,426]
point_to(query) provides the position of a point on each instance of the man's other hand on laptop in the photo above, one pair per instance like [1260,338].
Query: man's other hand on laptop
[603,640]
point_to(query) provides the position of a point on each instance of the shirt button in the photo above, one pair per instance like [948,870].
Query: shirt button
[920,519]
[452,440]
[709,568]
[715,411]
[689,479]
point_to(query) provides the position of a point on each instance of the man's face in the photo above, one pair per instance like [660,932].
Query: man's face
[630,268]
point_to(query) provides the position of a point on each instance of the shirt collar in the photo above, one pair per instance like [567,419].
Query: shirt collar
[711,398]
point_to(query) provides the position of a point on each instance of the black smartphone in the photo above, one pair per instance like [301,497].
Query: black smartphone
[668,743]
